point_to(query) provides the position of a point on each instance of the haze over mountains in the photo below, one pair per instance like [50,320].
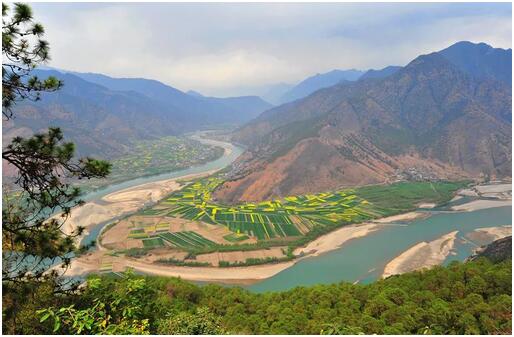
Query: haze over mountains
[441,115]
[445,114]
[102,115]
[319,81]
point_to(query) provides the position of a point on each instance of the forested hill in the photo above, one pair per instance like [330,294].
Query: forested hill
[463,298]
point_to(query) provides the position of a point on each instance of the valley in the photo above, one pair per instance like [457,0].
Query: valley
[154,157]
[189,234]
[256,168]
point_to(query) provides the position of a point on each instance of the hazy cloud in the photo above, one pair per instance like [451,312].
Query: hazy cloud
[225,49]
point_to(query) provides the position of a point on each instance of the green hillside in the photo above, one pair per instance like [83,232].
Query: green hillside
[463,298]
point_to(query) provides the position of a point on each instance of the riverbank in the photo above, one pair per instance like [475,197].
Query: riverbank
[481,204]
[335,239]
[134,198]
[490,234]
[93,261]
[121,203]
[422,255]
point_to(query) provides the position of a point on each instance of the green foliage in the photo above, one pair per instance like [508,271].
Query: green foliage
[463,298]
[22,50]
[44,166]
[255,261]
[117,314]
[156,156]
[175,262]
[201,322]
[44,163]
[405,196]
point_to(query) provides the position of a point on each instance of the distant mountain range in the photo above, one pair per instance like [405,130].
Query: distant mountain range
[381,73]
[442,116]
[102,114]
[319,81]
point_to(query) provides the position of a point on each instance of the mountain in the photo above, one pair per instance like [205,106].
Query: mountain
[194,93]
[429,119]
[243,107]
[274,93]
[99,120]
[381,73]
[202,110]
[481,60]
[102,115]
[319,81]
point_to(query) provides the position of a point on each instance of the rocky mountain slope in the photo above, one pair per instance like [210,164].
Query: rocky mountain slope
[497,251]
[430,116]
[481,60]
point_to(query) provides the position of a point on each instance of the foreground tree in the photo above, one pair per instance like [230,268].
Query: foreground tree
[43,164]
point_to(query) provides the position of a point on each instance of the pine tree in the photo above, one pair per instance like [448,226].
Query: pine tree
[45,167]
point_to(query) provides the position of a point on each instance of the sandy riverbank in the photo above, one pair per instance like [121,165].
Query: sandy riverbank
[337,238]
[121,203]
[481,204]
[401,217]
[421,255]
[232,275]
[239,275]
[496,233]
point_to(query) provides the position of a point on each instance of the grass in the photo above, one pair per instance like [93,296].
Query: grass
[138,233]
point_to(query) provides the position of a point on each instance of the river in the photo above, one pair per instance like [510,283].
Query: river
[225,160]
[359,260]
[363,259]
[231,153]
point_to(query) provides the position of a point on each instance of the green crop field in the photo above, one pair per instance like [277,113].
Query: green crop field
[294,215]
[234,237]
[270,219]
[153,243]
[138,233]
[186,240]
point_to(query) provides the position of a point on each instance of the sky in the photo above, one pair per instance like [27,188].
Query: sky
[240,49]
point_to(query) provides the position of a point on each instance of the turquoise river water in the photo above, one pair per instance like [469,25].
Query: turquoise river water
[363,259]
[359,260]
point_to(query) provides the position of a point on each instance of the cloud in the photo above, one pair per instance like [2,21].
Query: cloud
[224,49]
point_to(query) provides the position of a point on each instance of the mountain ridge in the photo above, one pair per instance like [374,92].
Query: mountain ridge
[102,121]
[429,116]
[319,81]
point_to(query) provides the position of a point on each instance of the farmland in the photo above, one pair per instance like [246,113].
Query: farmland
[151,157]
[291,217]
[296,215]
[189,220]
[187,240]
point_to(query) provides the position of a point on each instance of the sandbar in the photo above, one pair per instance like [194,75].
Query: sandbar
[422,255]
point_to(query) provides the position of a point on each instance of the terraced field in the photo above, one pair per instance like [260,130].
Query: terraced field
[291,217]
